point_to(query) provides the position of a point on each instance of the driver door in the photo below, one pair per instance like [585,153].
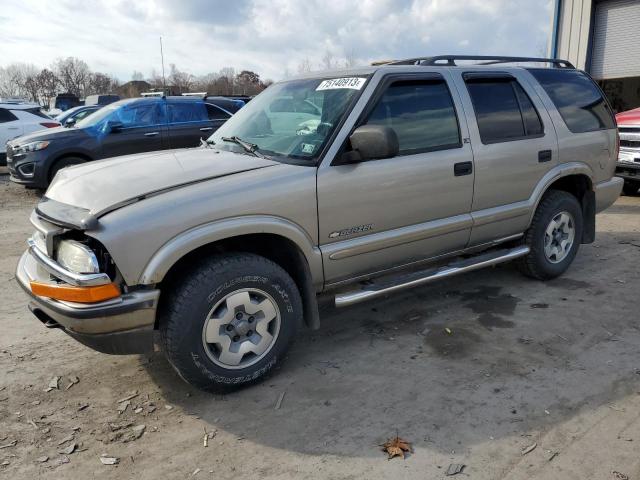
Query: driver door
[142,131]
[380,214]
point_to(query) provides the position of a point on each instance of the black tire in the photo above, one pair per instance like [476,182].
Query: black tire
[62,163]
[630,187]
[197,291]
[536,264]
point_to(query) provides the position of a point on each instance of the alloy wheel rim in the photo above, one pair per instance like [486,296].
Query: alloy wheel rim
[241,328]
[559,237]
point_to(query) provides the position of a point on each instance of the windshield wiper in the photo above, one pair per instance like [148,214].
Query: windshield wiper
[251,148]
[206,143]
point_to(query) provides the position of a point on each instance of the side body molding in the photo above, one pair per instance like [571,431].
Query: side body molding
[201,235]
[514,218]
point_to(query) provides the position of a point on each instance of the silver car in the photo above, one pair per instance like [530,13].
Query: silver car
[354,184]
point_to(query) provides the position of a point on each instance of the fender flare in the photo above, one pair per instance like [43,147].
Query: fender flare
[189,240]
[556,173]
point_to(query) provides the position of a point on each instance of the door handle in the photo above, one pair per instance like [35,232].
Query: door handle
[544,156]
[206,129]
[151,134]
[462,168]
[13,128]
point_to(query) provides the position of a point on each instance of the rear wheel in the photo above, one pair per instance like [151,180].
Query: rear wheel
[229,321]
[553,237]
[62,163]
[630,187]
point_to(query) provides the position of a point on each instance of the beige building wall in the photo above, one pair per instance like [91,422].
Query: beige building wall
[574,25]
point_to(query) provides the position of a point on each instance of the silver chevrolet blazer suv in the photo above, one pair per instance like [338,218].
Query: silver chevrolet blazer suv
[349,185]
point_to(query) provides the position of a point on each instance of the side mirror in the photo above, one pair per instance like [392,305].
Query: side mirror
[70,122]
[371,142]
[114,126]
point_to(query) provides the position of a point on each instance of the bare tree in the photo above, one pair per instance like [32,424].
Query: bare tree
[350,59]
[73,74]
[16,80]
[328,61]
[99,83]
[47,85]
[137,76]
[304,66]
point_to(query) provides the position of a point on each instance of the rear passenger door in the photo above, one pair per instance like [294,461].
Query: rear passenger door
[380,214]
[188,123]
[514,146]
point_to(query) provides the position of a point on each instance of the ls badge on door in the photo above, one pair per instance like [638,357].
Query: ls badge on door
[351,231]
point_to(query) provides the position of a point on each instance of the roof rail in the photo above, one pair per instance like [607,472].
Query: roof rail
[195,94]
[485,59]
[152,94]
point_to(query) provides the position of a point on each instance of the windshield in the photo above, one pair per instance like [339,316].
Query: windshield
[98,116]
[291,119]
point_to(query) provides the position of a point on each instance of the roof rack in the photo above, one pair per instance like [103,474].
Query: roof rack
[485,59]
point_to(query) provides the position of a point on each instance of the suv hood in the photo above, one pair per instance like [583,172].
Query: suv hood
[44,134]
[630,117]
[102,186]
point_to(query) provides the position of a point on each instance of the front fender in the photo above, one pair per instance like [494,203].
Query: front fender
[186,242]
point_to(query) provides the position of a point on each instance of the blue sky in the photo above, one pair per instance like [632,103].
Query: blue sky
[271,37]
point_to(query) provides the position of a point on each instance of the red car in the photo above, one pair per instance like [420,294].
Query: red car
[629,158]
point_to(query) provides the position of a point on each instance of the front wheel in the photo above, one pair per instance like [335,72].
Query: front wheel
[553,237]
[227,322]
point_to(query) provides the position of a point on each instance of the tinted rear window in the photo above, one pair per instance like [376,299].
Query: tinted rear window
[577,98]
[187,112]
[503,109]
[38,113]
[6,116]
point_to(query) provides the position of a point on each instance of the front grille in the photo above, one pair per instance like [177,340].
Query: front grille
[629,129]
[630,143]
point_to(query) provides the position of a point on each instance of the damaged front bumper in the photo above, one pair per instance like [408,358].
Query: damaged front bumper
[122,325]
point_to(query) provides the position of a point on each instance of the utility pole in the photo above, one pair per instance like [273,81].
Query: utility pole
[164,82]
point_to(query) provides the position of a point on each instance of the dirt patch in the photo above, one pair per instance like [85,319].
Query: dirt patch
[460,343]
[492,306]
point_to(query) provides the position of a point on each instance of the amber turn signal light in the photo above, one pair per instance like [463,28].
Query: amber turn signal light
[70,293]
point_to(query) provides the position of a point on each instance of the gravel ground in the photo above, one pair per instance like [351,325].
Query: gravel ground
[551,365]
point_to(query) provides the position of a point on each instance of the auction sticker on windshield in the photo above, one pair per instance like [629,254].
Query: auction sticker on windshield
[354,83]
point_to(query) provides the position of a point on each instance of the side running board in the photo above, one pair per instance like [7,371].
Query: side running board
[422,277]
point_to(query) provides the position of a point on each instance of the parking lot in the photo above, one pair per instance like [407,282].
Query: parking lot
[511,377]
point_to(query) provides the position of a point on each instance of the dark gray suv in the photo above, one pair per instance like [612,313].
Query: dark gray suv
[121,128]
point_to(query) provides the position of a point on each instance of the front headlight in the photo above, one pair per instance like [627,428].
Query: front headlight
[77,257]
[31,147]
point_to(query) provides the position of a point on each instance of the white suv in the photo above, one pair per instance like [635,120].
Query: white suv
[18,118]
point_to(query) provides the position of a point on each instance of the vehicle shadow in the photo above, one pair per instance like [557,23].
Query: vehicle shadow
[447,365]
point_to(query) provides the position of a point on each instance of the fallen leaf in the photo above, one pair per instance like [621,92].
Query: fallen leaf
[619,476]
[396,447]
[448,330]
[54,383]
[69,449]
[454,469]
[66,439]
[107,460]
[529,449]
[122,406]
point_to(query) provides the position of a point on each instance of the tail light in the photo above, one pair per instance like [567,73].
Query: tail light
[50,124]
